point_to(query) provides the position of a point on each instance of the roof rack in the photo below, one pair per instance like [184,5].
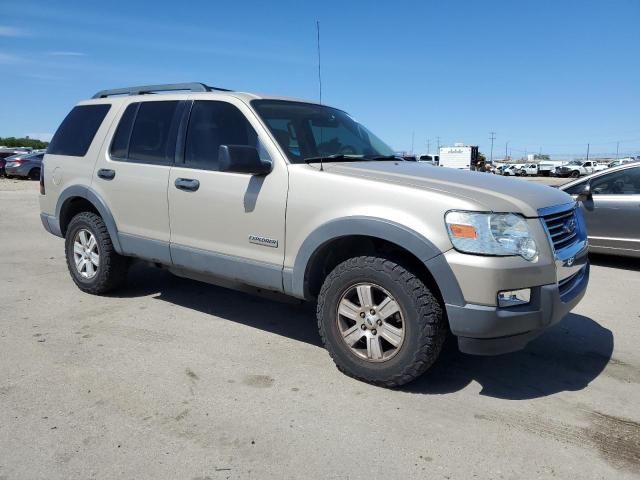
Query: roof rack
[169,87]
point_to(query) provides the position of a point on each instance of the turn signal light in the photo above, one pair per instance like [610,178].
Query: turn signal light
[463,231]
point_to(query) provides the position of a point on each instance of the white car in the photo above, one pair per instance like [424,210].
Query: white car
[578,168]
[510,171]
[528,169]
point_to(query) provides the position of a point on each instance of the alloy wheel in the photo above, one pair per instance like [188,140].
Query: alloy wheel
[86,254]
[370,322]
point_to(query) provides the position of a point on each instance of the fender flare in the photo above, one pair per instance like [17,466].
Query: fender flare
[96,200]
[418,245]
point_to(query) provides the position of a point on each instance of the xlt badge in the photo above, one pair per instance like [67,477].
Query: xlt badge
[264,241]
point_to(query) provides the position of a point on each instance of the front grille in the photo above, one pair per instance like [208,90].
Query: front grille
[562,228]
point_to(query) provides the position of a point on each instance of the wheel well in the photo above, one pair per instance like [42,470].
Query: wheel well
[71,208]
[336,251]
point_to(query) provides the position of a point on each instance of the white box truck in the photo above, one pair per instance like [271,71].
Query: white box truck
[462,157]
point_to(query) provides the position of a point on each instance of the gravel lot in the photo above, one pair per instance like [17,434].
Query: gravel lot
[179,380]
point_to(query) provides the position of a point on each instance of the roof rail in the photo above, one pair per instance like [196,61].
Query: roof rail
[169,87]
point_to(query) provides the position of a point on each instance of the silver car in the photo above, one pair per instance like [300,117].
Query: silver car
[26,165]
[610,201]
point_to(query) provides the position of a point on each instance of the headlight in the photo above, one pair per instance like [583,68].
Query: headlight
[500,234]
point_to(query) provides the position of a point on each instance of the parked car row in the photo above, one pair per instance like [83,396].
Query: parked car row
[573,169]
[22,165]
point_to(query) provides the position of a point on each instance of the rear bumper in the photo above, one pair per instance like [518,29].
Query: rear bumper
[21,171]
[50,224]
[484,330]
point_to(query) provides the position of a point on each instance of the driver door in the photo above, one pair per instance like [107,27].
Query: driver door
[224,224]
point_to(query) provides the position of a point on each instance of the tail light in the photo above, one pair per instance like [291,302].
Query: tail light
[17,162]
[42,189]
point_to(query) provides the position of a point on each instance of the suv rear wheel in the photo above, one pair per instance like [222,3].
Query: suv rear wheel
[92,261]
[379,322]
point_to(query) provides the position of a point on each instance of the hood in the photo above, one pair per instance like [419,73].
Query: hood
[492,192]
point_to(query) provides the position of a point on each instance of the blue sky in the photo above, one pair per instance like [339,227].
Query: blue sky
[549,75]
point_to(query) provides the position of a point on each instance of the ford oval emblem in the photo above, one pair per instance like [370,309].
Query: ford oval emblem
[569,226]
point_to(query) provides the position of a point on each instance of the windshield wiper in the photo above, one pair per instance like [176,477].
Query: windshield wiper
[340,157]
[336,157]
[383,157]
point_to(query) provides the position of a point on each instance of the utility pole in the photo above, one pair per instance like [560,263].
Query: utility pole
[506,147]
[492,138]
[413,136]
[428,146]
[438,152]
[588,152]
[617,149]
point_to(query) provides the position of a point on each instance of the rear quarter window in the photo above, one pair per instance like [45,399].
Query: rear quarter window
[75,134]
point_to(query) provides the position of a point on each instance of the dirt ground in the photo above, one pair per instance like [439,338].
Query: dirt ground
[174,379]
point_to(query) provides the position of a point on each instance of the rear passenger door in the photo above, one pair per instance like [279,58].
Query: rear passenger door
[132,176]
[230,225]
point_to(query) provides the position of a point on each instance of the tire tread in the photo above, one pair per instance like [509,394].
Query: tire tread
[114,266]
[432,330]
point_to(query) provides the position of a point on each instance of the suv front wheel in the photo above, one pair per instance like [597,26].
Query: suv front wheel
[379,322]
[94,265]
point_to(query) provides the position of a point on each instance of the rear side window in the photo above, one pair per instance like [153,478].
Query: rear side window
[75,134]
[213,124]
[146,133]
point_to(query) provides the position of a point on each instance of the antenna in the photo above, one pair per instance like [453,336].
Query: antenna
[319,64]
[319,80]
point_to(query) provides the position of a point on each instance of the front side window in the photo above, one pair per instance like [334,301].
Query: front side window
[211,124]
[75,134]
[305,131]
[625,182]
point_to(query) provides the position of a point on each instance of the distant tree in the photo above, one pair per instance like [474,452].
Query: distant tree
[482,157]
[22,142]
[540,156]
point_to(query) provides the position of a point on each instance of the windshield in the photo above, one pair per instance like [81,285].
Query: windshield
[308,131]
[575,162]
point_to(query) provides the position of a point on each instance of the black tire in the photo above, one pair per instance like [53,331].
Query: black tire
[34,174]
[424,323]
[112,270]
[575,174]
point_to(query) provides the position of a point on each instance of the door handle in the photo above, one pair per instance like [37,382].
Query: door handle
[187,184]
[106,173]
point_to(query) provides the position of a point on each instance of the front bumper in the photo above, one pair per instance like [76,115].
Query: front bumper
[558,281]
[484,330]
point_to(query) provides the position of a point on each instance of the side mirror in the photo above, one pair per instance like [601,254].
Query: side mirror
[242,159]
[584,193]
